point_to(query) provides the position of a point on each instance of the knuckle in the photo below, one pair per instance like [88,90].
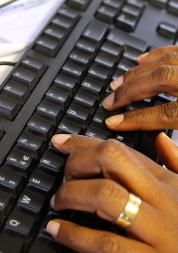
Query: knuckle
[107,147]
[171,57]
[162,73]
[109,243]
[170,111]
[106,190]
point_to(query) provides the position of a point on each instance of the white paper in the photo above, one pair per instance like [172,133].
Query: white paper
[20,24]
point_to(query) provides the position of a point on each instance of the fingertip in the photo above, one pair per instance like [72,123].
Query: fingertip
[114,121]
[142,57]
[52,202]
[60,139]
[53,228]
[108,102]
[117,83]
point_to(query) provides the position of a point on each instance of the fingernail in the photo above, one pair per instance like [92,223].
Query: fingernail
[115,120]
[52,202]
[117,83]
[53,228]
[60,139]
[167,137]
[108,102]
[142,56]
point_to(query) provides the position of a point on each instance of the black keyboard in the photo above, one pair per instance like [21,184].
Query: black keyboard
[58,87]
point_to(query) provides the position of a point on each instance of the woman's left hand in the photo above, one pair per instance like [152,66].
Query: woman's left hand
[124,171]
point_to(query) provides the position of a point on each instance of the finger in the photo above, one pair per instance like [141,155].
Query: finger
[168,152]
[167,59]
[87,240]
[72,143]
[76,143]
[162,79]
[115,161]
[151,118]
[146,57]
[107,199]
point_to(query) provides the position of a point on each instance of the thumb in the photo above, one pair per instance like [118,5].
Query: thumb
[167,151]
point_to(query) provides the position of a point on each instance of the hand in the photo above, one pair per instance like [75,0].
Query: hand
[124,171]
[157,73]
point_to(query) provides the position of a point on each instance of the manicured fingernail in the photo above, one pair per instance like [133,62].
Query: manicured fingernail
[142,56]
[117,83]
[115,120]
[53,228]
[52,202]
[108,102]
[60,139]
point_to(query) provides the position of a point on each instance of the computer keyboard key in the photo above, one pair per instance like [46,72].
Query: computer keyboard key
[69,13]
[62,22]
[52,162]
[129,138]
[137,3]
[26,77]
[6,203]
[22,161]
[93,86]
[106,13]
[125,65]
[159,3]
[73,69]
[54,33]
[100,115]
[114,3]
[49,110]
[173,6]
[46,246]
[106,59]
[97,132]
[126,22]
[68,83]
[8,107]
[34,64]
[17,91]
[87,46]
[167,97]
[80,57]
[87,98]
[99,72]
[131,55]
[42,181]
[112,48]
[167,30]
[78,4]
[31,201]
[96,31]
[122,38]
[131,10]
[40,126]
[58,95]
[2,133]
[46,46]
[69,126]
[31,143]
[11,243]
[79,112]
[21,223]
[11,180]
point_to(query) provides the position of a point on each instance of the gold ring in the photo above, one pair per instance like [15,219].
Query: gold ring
[130,212]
